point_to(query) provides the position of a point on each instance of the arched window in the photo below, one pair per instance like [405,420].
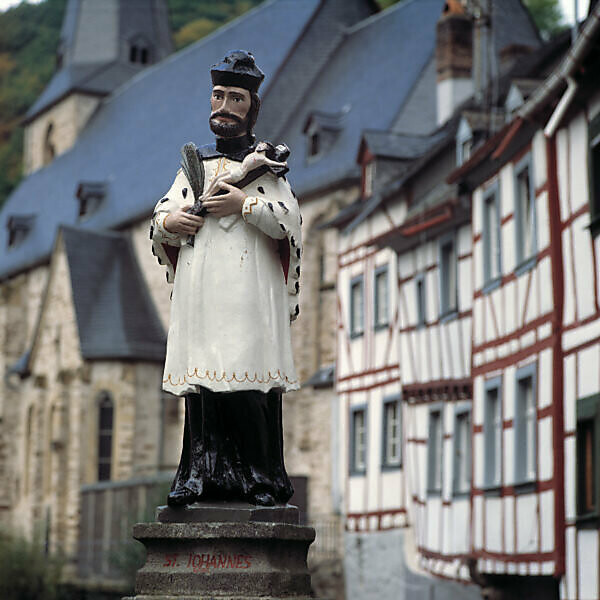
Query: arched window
[140,50]
[49,149]
[105,435]
[28,450]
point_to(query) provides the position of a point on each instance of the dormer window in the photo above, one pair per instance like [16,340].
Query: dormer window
[464,142]
[90,195]
[18,227]
[139,51]
[321,130]
[368,178]
[314,145]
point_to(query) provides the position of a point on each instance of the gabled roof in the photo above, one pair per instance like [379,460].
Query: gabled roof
[134,139]
[94,48]
[116,317]
[373,69]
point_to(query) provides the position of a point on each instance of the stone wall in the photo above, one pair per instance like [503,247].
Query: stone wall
[59,127]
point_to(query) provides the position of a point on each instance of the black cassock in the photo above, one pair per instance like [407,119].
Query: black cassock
[232,449]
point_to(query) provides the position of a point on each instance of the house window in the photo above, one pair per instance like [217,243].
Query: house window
[105,435]
[526,425]
[358,440]
[492,431]
[368,177]
[421,306]
[588,454]
[594,173]
[462,452]
[491,235]
[448,274]
[392,450]
[525,214]
[356,307]
[381,297]
[435,448]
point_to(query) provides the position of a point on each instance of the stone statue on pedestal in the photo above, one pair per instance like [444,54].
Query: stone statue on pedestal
[229,233]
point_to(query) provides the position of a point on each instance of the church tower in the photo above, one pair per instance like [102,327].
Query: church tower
[102,44]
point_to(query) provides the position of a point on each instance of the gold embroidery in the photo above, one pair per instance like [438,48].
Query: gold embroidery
[213,377]
[248,209]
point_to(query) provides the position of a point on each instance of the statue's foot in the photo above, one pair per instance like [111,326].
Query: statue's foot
[263,499]
[182,498]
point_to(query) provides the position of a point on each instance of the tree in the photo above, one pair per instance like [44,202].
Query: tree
[547,15]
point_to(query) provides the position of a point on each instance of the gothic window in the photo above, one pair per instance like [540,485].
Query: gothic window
[140,51]
[49,145]
[105,435]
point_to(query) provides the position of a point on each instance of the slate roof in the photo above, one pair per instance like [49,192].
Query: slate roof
[94,48]
[396,145]
[116,317]
[372,70]
[132,143]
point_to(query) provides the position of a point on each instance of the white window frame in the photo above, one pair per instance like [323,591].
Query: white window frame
[381,271]
[492,432]
[491,256]
[525,427]
[463,455]
[525,260]
[357,329]
[435,451]
[448,297]
[387,461]
[359,440]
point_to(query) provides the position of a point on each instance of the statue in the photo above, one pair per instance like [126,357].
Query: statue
[229,233]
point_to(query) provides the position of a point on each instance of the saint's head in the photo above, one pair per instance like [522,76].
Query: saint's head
[234,101]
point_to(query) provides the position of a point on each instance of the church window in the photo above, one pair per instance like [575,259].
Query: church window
[105,435]
[358,440]
[49,145]
[139,51]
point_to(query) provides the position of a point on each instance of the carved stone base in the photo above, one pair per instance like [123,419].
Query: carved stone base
[229,551]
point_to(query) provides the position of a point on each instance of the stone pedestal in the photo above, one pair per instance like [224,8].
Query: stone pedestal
[229,551]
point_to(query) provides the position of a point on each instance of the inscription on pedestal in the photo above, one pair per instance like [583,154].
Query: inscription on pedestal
[203,563]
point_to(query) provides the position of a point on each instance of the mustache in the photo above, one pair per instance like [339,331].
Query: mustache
[221,113]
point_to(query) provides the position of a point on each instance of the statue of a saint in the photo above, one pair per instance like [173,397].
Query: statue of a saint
[235,271]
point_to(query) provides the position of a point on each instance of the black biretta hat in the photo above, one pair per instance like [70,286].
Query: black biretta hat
[237,69]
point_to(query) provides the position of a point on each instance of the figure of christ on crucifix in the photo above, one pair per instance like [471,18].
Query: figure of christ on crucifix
[233,256]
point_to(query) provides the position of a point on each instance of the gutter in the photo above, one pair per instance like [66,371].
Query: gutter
[565,72]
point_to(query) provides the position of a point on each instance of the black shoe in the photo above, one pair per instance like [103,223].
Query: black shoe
[181,498]
[263,499]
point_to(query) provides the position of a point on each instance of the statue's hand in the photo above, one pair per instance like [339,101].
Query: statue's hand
[229,203]
[182,222]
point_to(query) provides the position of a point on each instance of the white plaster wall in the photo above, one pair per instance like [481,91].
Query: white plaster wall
[587,553]
[527,523]
[493,524]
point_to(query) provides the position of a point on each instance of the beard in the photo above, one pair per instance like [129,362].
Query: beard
[228,130]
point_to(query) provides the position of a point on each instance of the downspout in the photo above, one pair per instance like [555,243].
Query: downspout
[561,107]
[558,439]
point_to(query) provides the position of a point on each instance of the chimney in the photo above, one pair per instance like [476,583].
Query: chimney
[454,59]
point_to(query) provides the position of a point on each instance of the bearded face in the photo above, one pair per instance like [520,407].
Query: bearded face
[230,107]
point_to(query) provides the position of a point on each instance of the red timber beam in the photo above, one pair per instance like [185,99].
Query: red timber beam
[558,291]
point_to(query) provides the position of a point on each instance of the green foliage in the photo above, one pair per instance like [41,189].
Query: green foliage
[547,15]
[26,571]
[29,35]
